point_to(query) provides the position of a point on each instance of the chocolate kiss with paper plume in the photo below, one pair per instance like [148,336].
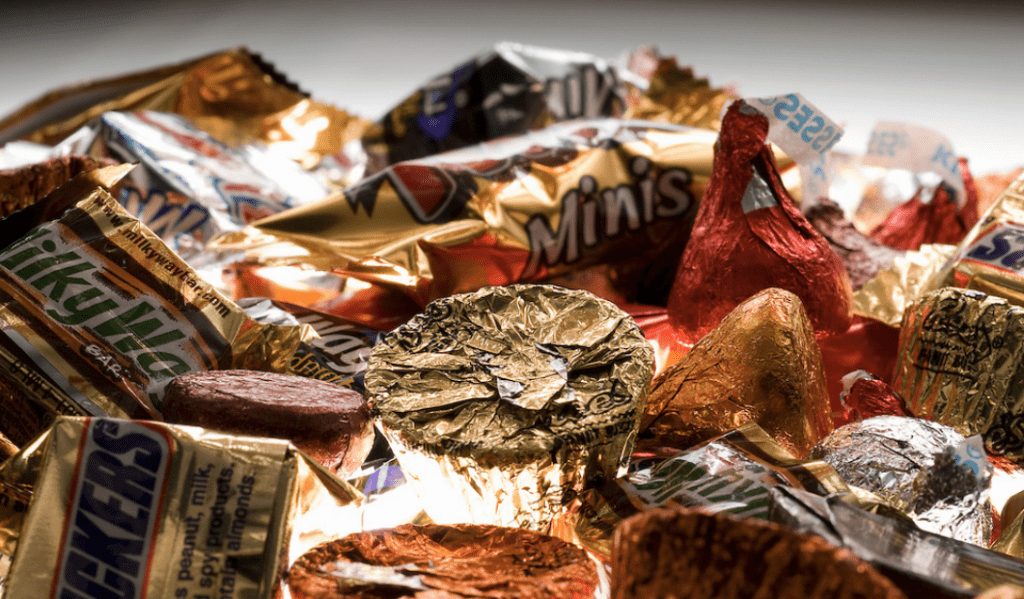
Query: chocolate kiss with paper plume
[749,235]
[761,364]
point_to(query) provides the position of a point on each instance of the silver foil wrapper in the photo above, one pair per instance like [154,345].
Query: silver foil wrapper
[923,469]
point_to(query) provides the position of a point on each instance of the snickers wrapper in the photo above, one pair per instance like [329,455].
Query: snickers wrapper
[143,509]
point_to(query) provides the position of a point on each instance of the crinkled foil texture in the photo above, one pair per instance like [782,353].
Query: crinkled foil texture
[761,364]
[510,397]
[960,363]
[886,296]
[904,461]
[434,561]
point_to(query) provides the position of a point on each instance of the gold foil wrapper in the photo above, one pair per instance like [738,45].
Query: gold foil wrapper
[990,259]
[233,94]
[760,364]
[675,95]
[885,297]
[97,314]
[960,363]
[13,505]
[158,510]
[501,404]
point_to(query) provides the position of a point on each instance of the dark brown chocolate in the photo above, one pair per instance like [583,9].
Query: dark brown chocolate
[688,553]
[449,562]
[862,256]
[328,422]
[22,187]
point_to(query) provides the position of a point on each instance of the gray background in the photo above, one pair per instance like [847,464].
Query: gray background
[953,66]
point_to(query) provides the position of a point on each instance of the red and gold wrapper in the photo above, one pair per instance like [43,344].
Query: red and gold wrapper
[130,508]
[233,94]
[518,210]
[97,314]
[761,364]
[749,235]
[960,362]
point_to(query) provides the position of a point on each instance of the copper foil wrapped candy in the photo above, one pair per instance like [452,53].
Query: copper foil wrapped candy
[444,562]
[502,404]
[961,363]
[761,364]
[919,467]
[689,553]
[749,235]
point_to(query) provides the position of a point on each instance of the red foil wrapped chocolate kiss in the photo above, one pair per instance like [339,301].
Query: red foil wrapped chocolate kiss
[749,235]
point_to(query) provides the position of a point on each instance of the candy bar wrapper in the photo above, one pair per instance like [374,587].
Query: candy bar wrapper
[507,90]
[189,187]
[749,235]
[921,563]
[960,363]
[991,256]
[233,94]
[337,354]
[97,314]
[886,296]
[148,509]
[517,210]
[732,473]
[24,186]
[761,364]
[292,284]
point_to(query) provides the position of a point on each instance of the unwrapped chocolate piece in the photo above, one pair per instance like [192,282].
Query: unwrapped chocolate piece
[862,256]
[749,235]
[761,364]
[503,403]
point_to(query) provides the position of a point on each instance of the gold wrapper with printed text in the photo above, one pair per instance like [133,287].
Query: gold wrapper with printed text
[502,404]
[144,508]
[961,363]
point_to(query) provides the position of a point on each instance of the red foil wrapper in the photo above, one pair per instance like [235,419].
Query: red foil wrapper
[867,345]
[866,396]
[749,235]
[915,223]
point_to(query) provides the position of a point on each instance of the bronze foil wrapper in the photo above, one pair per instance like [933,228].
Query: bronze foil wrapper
[960,363]
[13,506]
[97,314]
[911,464]
[675,95]
[234,94]
[503,403]
[760,364]
[450,562]
[689,553]
[149,509]
[22,187]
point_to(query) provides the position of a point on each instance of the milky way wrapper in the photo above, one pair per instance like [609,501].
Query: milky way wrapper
[233,94]
[502,404]
[733,473]
[961,363]
[760,364]
[130,509]
[991,256]
[521,209]
[97,314]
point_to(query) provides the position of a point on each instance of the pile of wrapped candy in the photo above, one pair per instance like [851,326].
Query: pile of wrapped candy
[554,326]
